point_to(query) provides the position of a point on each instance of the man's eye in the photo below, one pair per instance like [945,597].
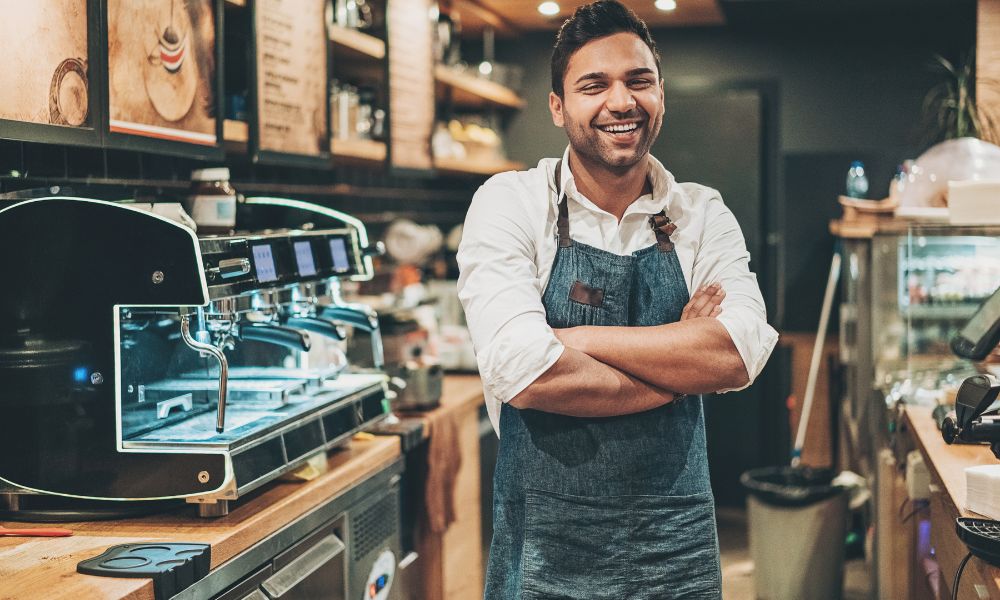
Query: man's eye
[640,83]
[590,89]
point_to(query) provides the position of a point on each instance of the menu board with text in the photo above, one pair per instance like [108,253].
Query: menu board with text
[292,50]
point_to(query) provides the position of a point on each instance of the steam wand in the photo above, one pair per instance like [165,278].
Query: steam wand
[223,367]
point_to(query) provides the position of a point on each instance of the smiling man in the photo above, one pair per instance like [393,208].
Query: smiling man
[603,297]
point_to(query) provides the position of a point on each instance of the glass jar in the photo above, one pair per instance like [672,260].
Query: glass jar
[212,201]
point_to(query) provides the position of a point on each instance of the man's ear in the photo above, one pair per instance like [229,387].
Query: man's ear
[663,96]
[556,108]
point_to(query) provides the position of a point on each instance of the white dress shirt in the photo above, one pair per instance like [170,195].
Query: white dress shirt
[509,243]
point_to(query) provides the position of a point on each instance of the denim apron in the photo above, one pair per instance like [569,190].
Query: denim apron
[606,508]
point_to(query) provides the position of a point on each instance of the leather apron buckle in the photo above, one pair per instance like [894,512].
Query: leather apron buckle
[663,227]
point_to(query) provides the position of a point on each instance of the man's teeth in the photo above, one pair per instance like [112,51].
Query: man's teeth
[621,128]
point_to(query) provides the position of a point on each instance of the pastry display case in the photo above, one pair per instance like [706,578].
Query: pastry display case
[906,290]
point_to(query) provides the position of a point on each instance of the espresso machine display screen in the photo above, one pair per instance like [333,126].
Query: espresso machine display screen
[341,262]
[304,258]
[263,262]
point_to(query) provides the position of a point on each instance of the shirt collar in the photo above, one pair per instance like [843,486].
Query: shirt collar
[662,180]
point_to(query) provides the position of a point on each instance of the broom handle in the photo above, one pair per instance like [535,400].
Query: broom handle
[817,355]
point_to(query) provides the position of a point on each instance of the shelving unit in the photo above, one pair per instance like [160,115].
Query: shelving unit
[237,132]
[358,151]
[468,91]
[943,312]
[236,135]
[463,166]
[357,44]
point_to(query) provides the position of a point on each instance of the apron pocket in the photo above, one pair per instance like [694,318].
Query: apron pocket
[613,547]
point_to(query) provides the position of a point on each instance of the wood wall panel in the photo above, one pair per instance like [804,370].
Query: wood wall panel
[411,86]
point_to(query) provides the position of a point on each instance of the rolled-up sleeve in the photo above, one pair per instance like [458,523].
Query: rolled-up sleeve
[723,257]
[499,288]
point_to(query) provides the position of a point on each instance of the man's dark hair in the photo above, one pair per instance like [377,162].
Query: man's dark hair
[590,22]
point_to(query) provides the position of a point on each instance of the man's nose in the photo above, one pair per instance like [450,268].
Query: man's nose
[620,98]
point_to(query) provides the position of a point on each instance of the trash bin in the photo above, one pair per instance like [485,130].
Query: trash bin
[797,522]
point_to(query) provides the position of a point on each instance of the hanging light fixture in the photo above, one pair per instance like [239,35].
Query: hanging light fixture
[666,5]
[549,9]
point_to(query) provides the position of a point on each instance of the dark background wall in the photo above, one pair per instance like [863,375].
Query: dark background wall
[846,88]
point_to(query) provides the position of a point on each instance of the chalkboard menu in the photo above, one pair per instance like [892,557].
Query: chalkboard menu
[290,97]
[47,88]
[163,70]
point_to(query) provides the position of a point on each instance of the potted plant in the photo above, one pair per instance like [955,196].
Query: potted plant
[951,104]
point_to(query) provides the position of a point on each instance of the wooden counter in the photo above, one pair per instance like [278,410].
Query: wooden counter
[947,469]
[32,568]
[452,560]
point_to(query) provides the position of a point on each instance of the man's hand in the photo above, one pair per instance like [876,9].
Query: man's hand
[706,302]
[700,352]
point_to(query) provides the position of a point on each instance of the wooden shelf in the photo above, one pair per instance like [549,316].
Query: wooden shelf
[357,43]
[358,150]
[471,91]
[235,131]
[240,3]
[476,167]
[942,312]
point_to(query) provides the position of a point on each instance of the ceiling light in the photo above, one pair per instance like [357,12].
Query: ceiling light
[486,67]
[664,4]
[549,9]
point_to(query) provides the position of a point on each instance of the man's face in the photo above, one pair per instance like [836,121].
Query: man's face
[612,105]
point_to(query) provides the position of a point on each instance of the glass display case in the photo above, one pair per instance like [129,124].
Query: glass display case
[906,289]
[927,282]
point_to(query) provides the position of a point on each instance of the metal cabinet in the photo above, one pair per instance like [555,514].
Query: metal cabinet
[348,547]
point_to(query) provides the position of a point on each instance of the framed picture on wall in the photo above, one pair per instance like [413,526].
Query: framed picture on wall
[289,97]
[163,76]
[48,88]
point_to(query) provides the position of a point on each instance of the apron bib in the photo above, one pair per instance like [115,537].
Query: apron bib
[606,508]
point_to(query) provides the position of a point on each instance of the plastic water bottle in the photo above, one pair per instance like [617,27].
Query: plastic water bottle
[857,183]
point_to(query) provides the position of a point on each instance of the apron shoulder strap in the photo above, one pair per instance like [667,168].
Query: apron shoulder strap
[562,223]
[663,228]
[661,224]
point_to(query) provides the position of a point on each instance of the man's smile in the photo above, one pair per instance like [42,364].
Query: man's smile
[621,131]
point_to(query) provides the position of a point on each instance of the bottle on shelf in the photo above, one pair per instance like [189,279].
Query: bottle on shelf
[212,201]
[857,182]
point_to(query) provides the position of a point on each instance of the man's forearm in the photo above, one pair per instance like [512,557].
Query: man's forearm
[581,386]
[695,356]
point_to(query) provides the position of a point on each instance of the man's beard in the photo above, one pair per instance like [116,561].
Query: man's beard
[591,144]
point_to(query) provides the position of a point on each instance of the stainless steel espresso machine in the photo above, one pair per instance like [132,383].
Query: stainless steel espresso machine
[139,361]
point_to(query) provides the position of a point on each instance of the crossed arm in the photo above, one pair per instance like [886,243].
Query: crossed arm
[640,368]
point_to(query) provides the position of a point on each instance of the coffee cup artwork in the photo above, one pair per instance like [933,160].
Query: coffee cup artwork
[68,103]
[171,79]
[161,70]
[44,69]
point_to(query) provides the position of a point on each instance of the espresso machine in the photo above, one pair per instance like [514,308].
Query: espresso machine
[139,361]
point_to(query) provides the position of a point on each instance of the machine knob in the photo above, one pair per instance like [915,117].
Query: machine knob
[229,268]
[376,249]
[950,429]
